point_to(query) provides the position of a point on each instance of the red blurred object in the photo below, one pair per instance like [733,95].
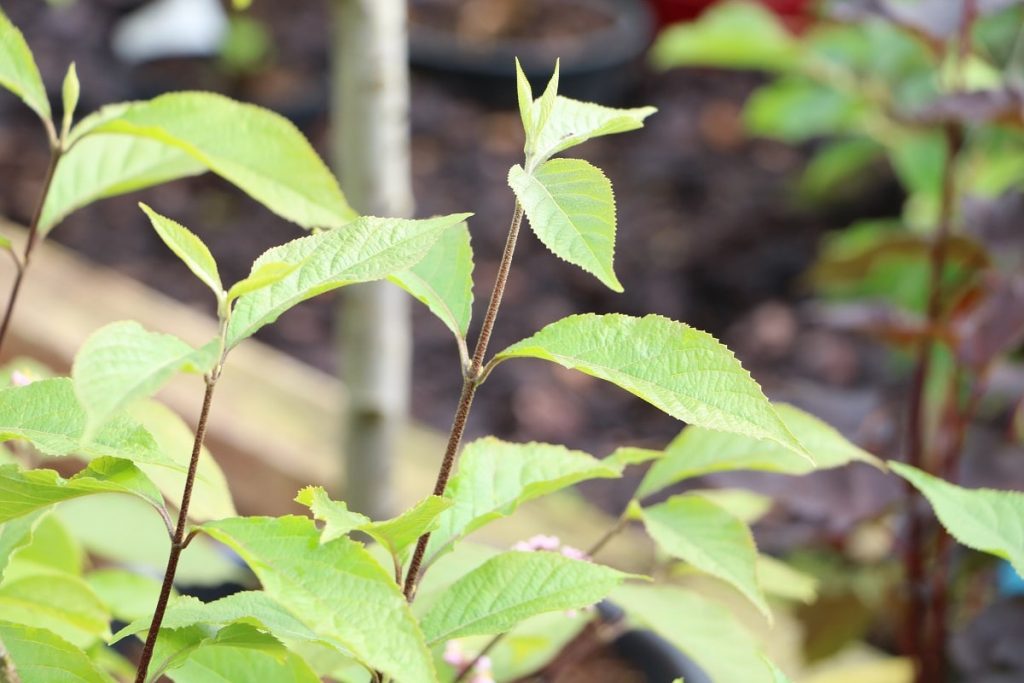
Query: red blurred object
[796,14]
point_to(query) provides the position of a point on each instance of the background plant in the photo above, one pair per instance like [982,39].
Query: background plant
[933,91]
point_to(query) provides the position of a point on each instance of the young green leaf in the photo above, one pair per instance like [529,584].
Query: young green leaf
[337,518]
[47,414]
[495,477]
[546,102]
[734,35]
[366,249]
[337,589]
[983,519]
[5,244]
[187,246]
[23,492]
[525,97]
[262,276]
[572,123]
[678,369]
[512,587]
[699,451]
[123,362]
[257,150]
[69,96]
[703,629]
[255,608]
[396,535]
[107,165]
[60,603]
[571,209]
[443,280]
[51,550]
[38,653]
[692,528]
[18,71]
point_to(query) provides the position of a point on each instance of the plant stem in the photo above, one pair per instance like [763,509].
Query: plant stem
[470,382]
[178,543]
[917,424]
[30,244]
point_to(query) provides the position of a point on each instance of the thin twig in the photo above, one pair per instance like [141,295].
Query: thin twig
[30,244]
[469,385]
[178,542]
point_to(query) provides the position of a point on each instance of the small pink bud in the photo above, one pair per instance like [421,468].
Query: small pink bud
[20,379]
[574,553]
[453,654]
[483,665]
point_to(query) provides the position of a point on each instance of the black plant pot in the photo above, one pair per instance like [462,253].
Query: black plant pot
[599,63]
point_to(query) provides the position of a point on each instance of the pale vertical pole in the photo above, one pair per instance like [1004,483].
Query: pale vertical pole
[370,151]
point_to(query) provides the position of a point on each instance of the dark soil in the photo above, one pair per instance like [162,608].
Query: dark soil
[708,233]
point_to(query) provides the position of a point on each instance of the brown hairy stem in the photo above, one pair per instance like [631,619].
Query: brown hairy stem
[179,541]
[469,384]
[30,244]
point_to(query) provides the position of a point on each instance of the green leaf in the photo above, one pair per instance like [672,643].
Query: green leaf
[220,662]
[795,109]
[47,414]
[699,451]
[571,208]
[24,492]
[127,595]
[60,603]
[704,630]
[142,540]
[106,165]
[337,518]
[211,496]
[18,71]
[983,519]
[678,369]
[366,249]
[626,456]
[257,150]
[5,244]
[495,477]
[69,97]
[187,246]
[783,581]
[692,528]
[397,534]
[51,549]
[123,362]
[443,280]
[38,653]
[255,608]
[733,35]
[14,535]
[263,276]
[572,123]
[747,506]
[512,587]
[337,589]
